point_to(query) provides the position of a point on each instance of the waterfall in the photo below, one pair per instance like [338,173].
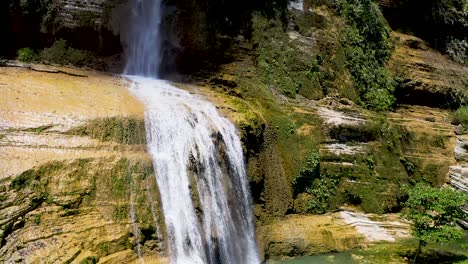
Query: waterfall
[197,156]
[141,39]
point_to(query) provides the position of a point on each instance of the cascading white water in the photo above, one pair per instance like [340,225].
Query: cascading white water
[201,176]
[197,157]
[141,38]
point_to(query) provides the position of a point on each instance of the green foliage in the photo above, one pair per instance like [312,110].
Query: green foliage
[458,50]
[291,66]
[434,213]
[90,260]
[121,212]
[368,48]
[313,72]
[370,162]
[275,55]
[306,176]
[27,55]
[35,177]
[60,53]
[37,219]
[322,190]
[361,133]
[409,166]
[104,248]
[460,116]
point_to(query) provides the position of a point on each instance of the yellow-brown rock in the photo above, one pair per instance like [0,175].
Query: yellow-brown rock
[65,173]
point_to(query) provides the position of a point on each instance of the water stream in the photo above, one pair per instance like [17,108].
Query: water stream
[197,156]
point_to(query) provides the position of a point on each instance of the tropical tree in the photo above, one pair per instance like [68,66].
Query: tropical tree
[434,213]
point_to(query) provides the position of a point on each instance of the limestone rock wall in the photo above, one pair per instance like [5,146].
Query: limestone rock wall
[71,11]
[70,148]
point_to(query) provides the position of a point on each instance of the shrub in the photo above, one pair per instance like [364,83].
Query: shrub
[306,176]
[322,190]
[57,53]
[409,166]
[458,50]
[460,117]
[60,53]
[27,55]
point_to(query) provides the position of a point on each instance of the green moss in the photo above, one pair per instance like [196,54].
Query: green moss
[70,212]
[120,129]
[103,249]
[306,176]
[121,212]
[90,260]
[35,178]
[296,65]
[110,247]
[361,133]
[39,129]
[37,219]
[439,141]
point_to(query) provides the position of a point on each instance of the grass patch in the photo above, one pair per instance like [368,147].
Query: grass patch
[39,129]
[121,212]
[119,129]
[460,116]
[37,219]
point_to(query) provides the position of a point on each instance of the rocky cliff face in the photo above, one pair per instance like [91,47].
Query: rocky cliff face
[426,76]
[71,148]
[73,155]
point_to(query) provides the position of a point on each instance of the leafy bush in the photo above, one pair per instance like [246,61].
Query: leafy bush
[460,117]
[306,176]
[321,187]
[458,50]
[57,53]
[60,53]
[27,55]
[409,166]
[368,48]
[322,190]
